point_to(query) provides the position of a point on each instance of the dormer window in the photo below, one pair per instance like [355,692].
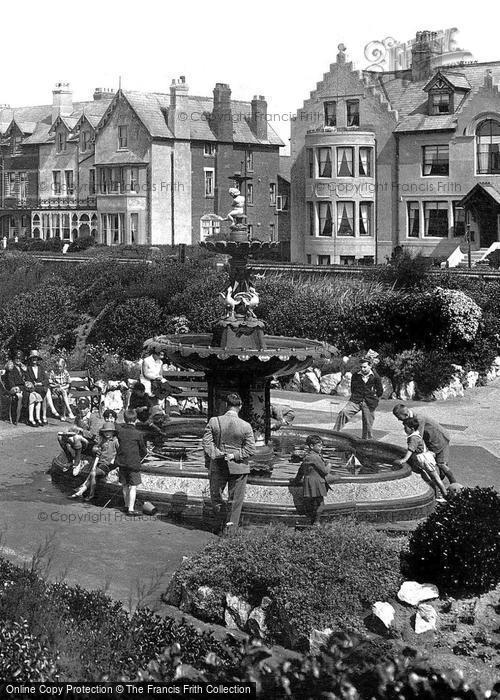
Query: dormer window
[85,140]
[61,142]
[440,103]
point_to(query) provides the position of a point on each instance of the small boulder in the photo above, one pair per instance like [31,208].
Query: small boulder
[425,618]
[256,623]
[236,612]
[344,386]
[406,392]
[471,379]
[385,613]
[205,603]
[414,593]
[329,382]
[310,382]
[293,384]
[450,391]
[319,639]
[387,387]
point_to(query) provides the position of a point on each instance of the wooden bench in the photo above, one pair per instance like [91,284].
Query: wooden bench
[82,386]
[193,385]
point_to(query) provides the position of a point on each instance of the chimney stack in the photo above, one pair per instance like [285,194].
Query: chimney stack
[424,49]
[259,117]
[62,100]
[103,93]
[222,118]
[179,116]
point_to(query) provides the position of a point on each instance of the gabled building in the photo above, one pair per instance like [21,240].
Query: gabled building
[397,158]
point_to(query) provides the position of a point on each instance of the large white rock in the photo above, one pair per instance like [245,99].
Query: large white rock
[425,618]
[471,379]
[414,593]
[256,623]
[318,639]
[385,612]
[406,392]
[387,387]
[236,612]
[344,386]
[310,382]
[329,382]
[451,391]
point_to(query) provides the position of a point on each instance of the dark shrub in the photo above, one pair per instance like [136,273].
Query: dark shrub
[200,302]
[406,271]
[125,327]
[23,657]
[318,578]
[54,244]
[81,243]
[458,546]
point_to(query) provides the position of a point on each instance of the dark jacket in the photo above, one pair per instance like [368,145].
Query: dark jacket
[131,448]
[13,377]
[313,471]
[435,436]
[41,383]
[369,391]
[229,434]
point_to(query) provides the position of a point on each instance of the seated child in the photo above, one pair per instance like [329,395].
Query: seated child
[82,436]
[420,457]
[131,451]
[140,402]
[105,453]
[281,416]
[313,472]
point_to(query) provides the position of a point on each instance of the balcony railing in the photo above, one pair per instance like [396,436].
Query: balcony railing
[49,203]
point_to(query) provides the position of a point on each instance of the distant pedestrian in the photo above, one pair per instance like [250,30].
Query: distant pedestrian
[366,390]
[130,453]
[228,442]
[435,437]
[312,473]
[420,457]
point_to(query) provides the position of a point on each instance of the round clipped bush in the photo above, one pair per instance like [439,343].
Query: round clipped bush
[458,546]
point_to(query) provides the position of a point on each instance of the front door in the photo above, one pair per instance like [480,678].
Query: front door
[487,217]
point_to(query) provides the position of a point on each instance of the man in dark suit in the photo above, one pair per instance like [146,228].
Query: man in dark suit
[366,390]
[228,442]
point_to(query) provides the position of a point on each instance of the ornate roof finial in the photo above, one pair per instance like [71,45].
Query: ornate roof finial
[341,54]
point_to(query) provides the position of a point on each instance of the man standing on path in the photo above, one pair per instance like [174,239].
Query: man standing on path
[435,437]
[366,390]
[228,442]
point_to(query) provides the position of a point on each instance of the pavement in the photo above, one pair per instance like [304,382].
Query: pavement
[133,559]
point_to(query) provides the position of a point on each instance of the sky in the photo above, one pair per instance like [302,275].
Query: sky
[268,47]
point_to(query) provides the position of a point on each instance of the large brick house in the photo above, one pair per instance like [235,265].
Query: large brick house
[407,157]
[134,167]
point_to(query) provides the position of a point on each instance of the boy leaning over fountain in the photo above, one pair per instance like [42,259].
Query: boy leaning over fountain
[313,472]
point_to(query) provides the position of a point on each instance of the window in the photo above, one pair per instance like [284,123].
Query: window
[249,161]
[440,103]
[310,161]
[66,233]
[308,259]
[325,162]
[323,260]
[46,226]
[134,227]
[330,114]
[345,218]
[488,147]
[61,141]
[436,160]
[436,219]
[310,218]
[272,236]
[10,184]
[122,136]
[69,182]
[249,193]
[210,226]
[458,220]
[347,259]
[56,226]
[250,231]
[325,219]
[365,162]
[365,218]
[352,112]
[209,149]
[134,179]
[92,181]
[272,193]
[345,157]
[56,182]
[117,226]
[209,182]
[413,209]
[85,140]
[16,145]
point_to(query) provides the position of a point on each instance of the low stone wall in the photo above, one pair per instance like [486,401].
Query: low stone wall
[314,381]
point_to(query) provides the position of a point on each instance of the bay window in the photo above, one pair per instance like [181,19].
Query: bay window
[365,218]
[325,219]
[365,162]
[345,158]
[325,162]
[345,218]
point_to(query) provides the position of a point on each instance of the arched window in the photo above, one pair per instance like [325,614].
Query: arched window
[488,147]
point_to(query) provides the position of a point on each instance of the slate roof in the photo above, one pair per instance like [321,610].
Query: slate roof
[152,109]
[410,100]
